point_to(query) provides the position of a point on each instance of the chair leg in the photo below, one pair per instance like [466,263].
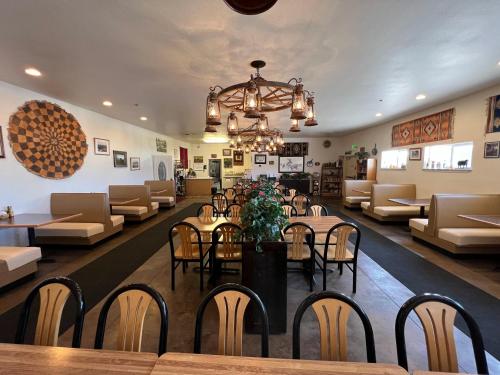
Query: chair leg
[354,274]
[341,267]
[201,273]
[173,274]
[324,275]
[183,267]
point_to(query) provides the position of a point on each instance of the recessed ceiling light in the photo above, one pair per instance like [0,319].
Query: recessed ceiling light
[144,118]
[378,114]
[498,63]
[420,97]
[33,72]
[107,103]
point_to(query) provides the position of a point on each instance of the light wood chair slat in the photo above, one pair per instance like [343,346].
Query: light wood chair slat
[133,307]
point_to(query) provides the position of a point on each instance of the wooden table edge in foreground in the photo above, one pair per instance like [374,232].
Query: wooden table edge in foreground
[32,359]
[183,363]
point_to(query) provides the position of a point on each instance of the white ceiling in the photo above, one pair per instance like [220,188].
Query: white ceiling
[163,55]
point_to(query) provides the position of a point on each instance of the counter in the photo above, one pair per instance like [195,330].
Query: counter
[199,186]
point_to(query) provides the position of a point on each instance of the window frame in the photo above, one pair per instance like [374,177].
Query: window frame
[395,150]
[452,146]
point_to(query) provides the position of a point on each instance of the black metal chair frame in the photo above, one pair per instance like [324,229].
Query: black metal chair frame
[216,211]
[323,209]
[292,214]
[226,202]
[228,211]
[240,195]
[234,193]
[306,303]
[475,332]
[308,202]
[310,238]
[185,261]
[77,294]
[354,261]
[160,302]
[253,298]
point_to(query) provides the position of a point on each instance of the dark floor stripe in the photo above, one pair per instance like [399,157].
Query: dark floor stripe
[421,276]
[101,276]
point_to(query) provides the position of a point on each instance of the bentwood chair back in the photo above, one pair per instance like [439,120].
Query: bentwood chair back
[289,210]
[301,202]
[281,188]
[240,199]
[292,192]
[437,314]
[336,250]
[233,210]
[316,210]
[230,193]
[238,188]
[134,301]
[300,246]
[220,201]
[276,184]
[232,301]
[280,198]
[333,310]
[190,249]
[227,242]
[207,211]
[53,293]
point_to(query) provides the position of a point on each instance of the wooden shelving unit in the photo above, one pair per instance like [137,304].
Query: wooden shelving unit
[331,179]
[366,169]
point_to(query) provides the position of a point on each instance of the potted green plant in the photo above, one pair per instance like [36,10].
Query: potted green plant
[264,255]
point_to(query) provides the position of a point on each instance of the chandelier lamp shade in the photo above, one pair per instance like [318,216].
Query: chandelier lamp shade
[256,98]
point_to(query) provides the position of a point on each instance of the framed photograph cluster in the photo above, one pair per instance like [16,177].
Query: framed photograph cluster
[119,159]
[101,146]
[260,159]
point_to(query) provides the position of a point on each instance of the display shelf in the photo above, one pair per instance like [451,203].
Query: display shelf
[331,179]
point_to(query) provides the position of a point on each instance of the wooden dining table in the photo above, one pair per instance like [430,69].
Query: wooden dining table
[32,221]
[48,360]
[422,203]
[208,224]
[320,224]
[486,219]
[184,364]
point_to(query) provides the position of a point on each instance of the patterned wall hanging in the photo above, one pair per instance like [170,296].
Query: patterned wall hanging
[295,149]
[493,123]
[431,128]
[47,140]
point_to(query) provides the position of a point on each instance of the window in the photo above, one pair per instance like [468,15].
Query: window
[457,156]
[394,159]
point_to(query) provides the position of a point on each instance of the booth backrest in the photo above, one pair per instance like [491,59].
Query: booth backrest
[94,207]
[125,192]
[381,193]
[445,208]
[349,185]
[156,185]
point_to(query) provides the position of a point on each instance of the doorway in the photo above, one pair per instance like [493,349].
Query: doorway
[214,171]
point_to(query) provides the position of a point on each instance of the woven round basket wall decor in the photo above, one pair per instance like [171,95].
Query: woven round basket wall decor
[47,140]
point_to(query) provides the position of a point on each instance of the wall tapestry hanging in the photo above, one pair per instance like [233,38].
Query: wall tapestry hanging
[238,158]
[294,149]
[431,128]
[47,140]
[493,124]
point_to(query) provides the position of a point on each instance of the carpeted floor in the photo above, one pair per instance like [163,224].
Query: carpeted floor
[100,277]
[422,276]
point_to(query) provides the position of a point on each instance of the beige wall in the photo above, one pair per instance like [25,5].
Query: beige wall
[470,123]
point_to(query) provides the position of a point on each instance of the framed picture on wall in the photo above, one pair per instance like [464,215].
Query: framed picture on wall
[260,159]
[161,145]
[289,164]
[226,152]
[492,150]
[238,158]
[135,164]
[2,149]
[228,163]
[119,159]
[415,154]
[101,146]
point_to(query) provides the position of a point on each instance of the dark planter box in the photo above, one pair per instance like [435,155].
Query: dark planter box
[302,186]
[266,274]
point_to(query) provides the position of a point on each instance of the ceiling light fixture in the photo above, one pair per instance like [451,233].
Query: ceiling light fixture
[378,114]
[420,97]
[107,103]
[33,72]
[215,139]
[143,118]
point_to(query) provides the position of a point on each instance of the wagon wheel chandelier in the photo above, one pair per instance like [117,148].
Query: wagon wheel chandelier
[257,97]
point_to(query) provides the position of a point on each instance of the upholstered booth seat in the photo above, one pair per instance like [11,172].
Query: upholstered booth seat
[418,224]
[17,262]
[396,211]
[70,230]
[162,199]
[129,210]
[117,219]
[357,199]
[365,205]
[155,205]
[470,236]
